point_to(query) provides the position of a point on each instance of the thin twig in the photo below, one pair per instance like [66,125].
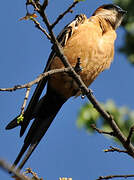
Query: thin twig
[114,149]
[8,168]
[37,24]
[25,100]
[64,178]
[34,4]
[44,5]
[63,14]
[35,81]
[115,176]
[101,131]
[35,177]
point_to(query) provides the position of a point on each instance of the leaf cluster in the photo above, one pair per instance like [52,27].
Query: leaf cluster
[123,116]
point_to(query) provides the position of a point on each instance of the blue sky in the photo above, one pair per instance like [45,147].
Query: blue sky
[65,151]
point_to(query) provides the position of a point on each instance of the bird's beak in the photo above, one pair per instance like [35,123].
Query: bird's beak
[123,12]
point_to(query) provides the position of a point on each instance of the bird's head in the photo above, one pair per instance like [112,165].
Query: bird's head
[111,13]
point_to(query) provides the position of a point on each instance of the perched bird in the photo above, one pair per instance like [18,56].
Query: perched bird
[92,41]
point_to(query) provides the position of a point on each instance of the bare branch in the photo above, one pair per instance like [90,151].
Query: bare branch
[35,4]
[44,5]
[39,78]
[101,131]
[25,100]
[115,176]
[8,168]
[64,13]
[37,24]
[64,178]
[114,149]
[35,177]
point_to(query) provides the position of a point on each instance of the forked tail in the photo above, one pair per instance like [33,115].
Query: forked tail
[46,111]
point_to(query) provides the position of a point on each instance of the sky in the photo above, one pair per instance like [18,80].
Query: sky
[65,151]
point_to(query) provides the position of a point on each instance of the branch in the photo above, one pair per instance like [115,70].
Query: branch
[63,14]
[19,176]
[114,149]
[37,24]
[117,132]
[65,178]
[35,176]
[34,3]
[115,176]
[44,5]
[101,131]
[35,81]
[25,100]
[30,84]
[8,168]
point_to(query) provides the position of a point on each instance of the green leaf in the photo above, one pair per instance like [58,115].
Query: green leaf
[123,116]
[20,119]
[87,116]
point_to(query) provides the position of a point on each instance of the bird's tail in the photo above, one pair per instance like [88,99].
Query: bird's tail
[46,110]
[14,123]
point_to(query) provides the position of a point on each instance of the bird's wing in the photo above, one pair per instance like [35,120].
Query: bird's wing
[39,127]
[69,29]
[62,38]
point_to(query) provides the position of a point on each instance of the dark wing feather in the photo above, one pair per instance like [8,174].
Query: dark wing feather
[40,126]
[62,38]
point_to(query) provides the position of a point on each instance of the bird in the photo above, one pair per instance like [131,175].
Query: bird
[91,40]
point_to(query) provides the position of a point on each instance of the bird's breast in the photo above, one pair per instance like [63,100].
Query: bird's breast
[95,55]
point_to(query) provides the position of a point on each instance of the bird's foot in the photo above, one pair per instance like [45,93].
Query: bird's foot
[77,67]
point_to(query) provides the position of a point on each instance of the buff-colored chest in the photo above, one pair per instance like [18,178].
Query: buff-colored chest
[95,51]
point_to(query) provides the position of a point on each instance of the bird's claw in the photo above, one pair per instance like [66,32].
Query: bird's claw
[77,67]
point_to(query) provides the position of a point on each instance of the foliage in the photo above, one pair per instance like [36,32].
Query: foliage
[128,24]
[123,116]
[20,119]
